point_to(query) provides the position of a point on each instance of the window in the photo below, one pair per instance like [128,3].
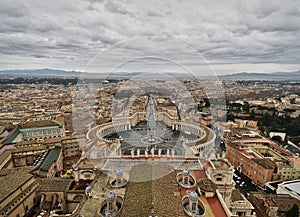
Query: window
[26,209]
[241,213]
[219,179]
[186,180]
[193,206]
[87,176]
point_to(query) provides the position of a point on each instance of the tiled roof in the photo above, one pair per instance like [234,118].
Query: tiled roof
[4,155]
[166,196]
[213,207]
[152,187]
[5,172]
[12,182]
[54,184]
[138,194]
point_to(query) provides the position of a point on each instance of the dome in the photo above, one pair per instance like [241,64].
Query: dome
[193,196]
[88,189]
[185,172]
[119,172]
[111,196]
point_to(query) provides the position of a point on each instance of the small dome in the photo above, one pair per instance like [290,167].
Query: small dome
[185,172]
[111,196]
[88,189]
[119,172]
[193,196]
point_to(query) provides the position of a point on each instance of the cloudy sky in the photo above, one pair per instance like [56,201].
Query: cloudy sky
[163,35]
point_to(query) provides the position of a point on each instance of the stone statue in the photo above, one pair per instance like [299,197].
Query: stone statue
[223,154]
[94,154]
[152,151]
[173,152]
[138,152]
[132,153]
[146,152]
[201,153]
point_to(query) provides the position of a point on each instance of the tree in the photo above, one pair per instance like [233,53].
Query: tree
[246,106]
[207,102]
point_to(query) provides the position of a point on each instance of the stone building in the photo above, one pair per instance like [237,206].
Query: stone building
[239,205]
[273,205]
[54,194]
[71,150]
[35,131]
[17,195]
[259,169]
[52,164]
[221,174]
[84,171]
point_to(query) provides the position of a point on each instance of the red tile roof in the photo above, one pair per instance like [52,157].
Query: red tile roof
[216,206]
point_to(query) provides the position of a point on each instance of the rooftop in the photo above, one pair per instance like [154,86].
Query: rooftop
[294,159]
[4,155]
[284,202]
[213,207]
[38,128]
[292,186]
[51,157]
[42,123]
[54,184]
[220,164]
[27,169]
[158,197]
[11,136]
[266,163]
[236,195]
[207,185]
[12,182]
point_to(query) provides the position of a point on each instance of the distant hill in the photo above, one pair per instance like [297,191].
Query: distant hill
[62,73]
[268,76]
[40,72]
[46,72]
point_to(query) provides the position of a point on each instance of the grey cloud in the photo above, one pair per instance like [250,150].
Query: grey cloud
[17,10]
[115,7]
[224,32]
